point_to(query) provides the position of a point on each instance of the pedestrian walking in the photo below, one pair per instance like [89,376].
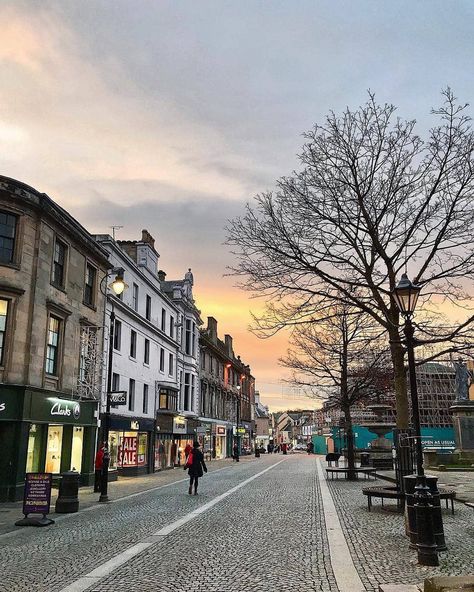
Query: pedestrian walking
[99,463]
[195,465]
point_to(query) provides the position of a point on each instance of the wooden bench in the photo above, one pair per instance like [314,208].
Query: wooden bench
[392,493]
[344,471]
[384,493]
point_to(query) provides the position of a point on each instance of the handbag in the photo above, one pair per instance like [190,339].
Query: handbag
[189,460]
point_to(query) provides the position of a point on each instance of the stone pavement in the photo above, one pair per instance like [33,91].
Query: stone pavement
[10,512]
[263,525]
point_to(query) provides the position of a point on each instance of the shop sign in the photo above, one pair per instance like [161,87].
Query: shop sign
[220,430]
[37,493]
[69,409]
[118,397]
[180,425]
[239,431]
[130,454]
[134,425]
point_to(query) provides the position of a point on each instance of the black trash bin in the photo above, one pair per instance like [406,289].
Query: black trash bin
[431,481]
[364,459]
[68,498]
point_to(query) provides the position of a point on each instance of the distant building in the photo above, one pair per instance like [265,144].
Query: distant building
[262,423]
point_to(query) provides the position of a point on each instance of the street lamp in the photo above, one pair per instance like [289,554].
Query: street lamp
[117,287]
[406,295]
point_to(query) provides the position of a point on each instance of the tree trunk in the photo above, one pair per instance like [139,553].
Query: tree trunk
[400,380]
[351,474]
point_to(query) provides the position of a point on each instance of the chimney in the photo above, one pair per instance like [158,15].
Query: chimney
[228,345]
[212,328]
[161,275]
[147,238]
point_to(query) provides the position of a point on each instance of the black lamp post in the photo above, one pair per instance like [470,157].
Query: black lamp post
[406,295]
[117,286]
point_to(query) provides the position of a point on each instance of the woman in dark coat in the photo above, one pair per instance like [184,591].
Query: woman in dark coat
[195,468]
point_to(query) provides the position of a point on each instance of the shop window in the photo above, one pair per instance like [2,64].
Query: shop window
[146,354]
[54,445]
[90,285]
[132,449]
[76,452]
[7,237]
[145,398]
[131,395]
[52,348]
[117,335]
[133,343]
[114,439]
[59,264]
[135,297]
[148,307]
[3,326]
[33,458]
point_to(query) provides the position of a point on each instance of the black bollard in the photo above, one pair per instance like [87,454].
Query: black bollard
[68,498]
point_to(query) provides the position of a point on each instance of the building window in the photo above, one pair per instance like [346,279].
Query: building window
[135,297]
[117,335]
[193,341]
[3,326]
[146,355]
[52,346]
[162,359]
[59,264]
[145,398]
[89,287]
[172,327]
[148,307]
[203,361]
[188,337]
[163,319]
[168,400]
[7,237]
[193,386]
[115,382]
[171,365]
[131,395]
[133,343]
[187,388]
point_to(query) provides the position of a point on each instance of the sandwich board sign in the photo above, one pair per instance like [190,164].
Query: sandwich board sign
[36,500]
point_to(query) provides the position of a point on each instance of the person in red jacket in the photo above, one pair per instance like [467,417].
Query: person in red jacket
[99,463]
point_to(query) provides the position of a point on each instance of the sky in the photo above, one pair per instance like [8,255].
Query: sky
[171,115]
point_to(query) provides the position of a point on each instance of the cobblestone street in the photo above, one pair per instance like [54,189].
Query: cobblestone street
[262,525]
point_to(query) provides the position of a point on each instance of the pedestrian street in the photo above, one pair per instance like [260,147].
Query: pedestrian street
[261,525]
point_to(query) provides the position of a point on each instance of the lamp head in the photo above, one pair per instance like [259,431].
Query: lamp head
[406,295]
[118,285]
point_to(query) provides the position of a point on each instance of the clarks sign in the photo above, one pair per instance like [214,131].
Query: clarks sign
[66,409]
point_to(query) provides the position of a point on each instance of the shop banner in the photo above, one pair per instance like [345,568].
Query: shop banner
[37,493]
[132,451]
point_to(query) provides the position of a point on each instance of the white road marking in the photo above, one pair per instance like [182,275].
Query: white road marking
[345,572]
[109,566]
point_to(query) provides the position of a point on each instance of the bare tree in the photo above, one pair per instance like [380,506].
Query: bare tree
[372,199]
[340,358]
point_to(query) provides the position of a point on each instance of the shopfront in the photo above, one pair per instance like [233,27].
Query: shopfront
[131,445]
[219,441]
[44,431]
[184,433]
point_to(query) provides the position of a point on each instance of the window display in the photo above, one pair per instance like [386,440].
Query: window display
[54,448]
[34,449]
[76,451]
[128,449]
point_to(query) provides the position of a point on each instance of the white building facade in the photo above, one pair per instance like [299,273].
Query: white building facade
[146,348]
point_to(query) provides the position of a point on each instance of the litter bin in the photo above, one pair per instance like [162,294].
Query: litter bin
[364,459]
[68,498]
[431,481]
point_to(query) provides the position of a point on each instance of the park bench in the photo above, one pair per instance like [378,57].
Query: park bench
[393,493]
[345,470]
[333,457]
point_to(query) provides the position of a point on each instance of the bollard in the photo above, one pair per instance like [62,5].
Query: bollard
[68,499]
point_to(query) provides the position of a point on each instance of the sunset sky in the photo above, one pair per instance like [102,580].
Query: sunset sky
[170,115]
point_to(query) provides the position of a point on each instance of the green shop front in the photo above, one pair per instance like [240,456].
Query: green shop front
[44,431]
